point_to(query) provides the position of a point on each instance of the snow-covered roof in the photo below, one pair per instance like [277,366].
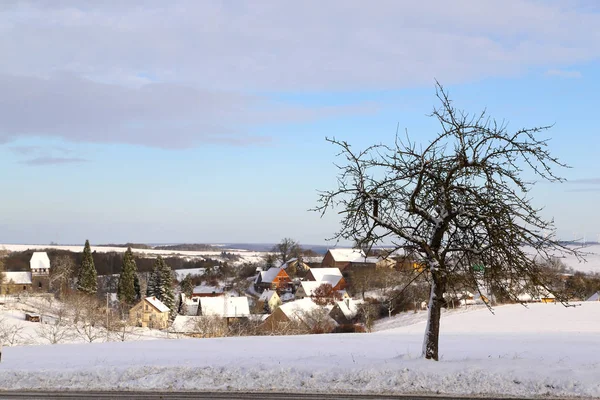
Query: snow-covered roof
[327,275]
[295,309]
[347,255]
[224,306]
[594,297]
[270,274]
[310,286]
[191,304]
[18,277]
[207,289]
[39,260]
[348,307]
[266,295]
[159,305]
[184,324]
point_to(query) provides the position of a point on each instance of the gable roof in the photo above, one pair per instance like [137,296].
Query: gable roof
[224,306]
[270,274]
[347,255]
[594,297]
[18,277]
[267,295]
[159,305]
[348,307]
[294,309]
[327,275]
[309,287]
[39,260]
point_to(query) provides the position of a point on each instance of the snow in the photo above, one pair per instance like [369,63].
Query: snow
[206,289]
[182,273]
[159,305]
[246,256]
[266,295]
[224,306]
[270,274]
[591,255]
[18,278]
[594,297]
[39,260]
[540,350]
[326,275]
[347,255]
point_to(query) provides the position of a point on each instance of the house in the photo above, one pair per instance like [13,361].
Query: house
[230,308]
[207,291]
[537,294]
[594,297]
[149,313]
[344,312]
[40,271]
[296,264]
[274,279]
[188,305]
[342,258]
[16,282]
[333,276]
[300,316]
[269,300]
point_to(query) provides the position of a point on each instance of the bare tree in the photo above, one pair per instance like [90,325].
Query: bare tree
[325,295]
[62,275]
[11,334]
[88,317]
[367,314]
[287,249]
[458,201]
[55,326]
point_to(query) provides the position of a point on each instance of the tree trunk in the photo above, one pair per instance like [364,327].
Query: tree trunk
[436,301]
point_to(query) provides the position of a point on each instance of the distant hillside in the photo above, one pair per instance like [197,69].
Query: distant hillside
[188,247]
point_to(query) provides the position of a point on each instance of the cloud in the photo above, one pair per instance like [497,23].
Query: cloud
[276,45]
[561,73]
[187,73]
[40,161]
[165,115]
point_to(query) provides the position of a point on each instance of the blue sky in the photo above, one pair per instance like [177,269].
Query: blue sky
[205,121]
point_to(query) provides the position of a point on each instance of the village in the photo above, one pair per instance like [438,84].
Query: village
[275,293]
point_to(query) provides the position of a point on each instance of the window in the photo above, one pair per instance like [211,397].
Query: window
[40,284]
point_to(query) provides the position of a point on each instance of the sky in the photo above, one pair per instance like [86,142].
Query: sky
[205,121]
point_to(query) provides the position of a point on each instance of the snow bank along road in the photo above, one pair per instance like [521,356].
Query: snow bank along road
[544,350]
[224,395]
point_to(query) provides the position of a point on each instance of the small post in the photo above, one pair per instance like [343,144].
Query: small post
[107,311]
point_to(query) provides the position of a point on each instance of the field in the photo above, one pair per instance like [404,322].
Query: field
[544,349]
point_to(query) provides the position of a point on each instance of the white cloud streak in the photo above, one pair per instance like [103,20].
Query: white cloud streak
[179,74]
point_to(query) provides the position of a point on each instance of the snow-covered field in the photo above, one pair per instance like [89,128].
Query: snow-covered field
[247,256]
[542,350]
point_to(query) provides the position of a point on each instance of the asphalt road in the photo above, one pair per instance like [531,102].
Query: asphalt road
[96,395]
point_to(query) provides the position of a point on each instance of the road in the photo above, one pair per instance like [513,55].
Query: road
[154,395]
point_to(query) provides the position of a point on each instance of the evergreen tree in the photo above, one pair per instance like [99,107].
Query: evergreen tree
[152,289]
[87,280]
[138,289]
[126,290]
[166,286]
[187,285]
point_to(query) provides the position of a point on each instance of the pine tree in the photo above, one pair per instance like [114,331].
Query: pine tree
[126,290]
[165,287]
[187,285]
[152,289]
[87,280]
